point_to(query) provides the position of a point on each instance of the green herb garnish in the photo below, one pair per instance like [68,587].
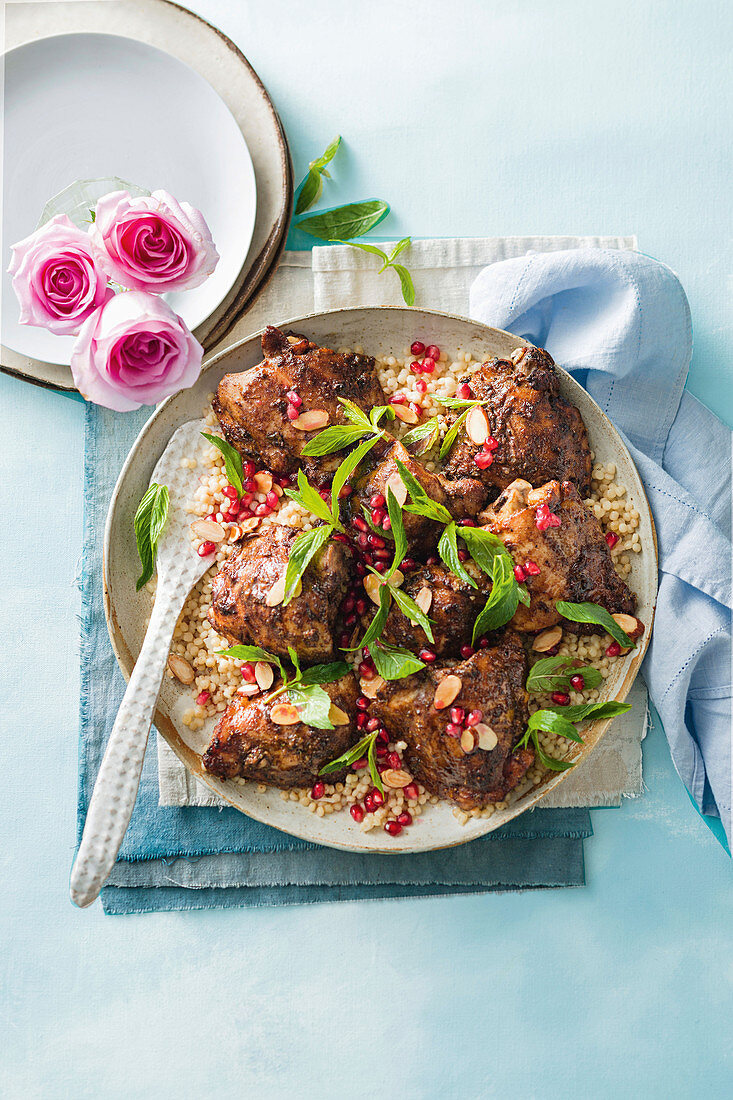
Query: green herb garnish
[149,522]
[365,747]
[341,223]
[554,674]
[310,188]
[594,613]
[427,434]
[456,403]
[393,662]
[561,722]
[406,284]
[232,460]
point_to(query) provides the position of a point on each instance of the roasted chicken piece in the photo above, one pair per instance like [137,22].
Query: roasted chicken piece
[449,602]
[473,766]
[540,435]
[247,742]
[247,593]
[252,406]
[379,471]
[573,558]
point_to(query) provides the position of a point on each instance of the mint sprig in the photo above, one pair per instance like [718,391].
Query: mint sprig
[365,747]
[406,284]
[554,674]
[594,613]
[150,520]
[232,460]
[309,190]
[561,722]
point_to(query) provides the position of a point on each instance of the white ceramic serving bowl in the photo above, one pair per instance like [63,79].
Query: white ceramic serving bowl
[381,330]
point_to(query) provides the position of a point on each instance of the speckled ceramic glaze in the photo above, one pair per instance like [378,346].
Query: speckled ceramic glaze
[383,331]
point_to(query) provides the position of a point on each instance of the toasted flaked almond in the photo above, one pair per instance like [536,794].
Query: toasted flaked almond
[234,532]
[263,481]
[311,420]
[468,740]
[396,778]
[397,485]
[264,675]
[487,739]
[294,339]
[547,639]
[446,691]
[284,714]
[396,579]
[209,530]
[424,599]
[372,585]
[630,625]
[405,414]
[517,355]
[248,689]
[337,716]
[181,669]
[278,490]
[250,524]
[370,688]
[276,595]
[477,426]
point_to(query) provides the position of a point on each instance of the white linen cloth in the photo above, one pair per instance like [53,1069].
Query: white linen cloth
[443,271]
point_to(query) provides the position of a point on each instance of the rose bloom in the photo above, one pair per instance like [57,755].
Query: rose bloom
[134,351]
[152,243]
[56,279]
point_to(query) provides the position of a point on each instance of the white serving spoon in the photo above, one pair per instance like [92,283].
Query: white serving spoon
[179,567]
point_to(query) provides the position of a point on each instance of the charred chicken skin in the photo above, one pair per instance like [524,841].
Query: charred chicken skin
[246,603]
[451,604]
[492,682]
[247,743]
[252,406]
[573,557]
[540,435]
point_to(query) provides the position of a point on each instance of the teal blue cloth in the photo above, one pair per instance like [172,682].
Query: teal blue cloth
[543,848]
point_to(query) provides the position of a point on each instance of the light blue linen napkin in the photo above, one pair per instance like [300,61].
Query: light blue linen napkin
[620,323]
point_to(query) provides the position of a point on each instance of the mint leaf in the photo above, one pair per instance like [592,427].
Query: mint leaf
[376,626]
[552,722]
[450,436]
[393,663]
[356,415]
[251,653]
[333,439]
[310,188]
[302,552]
[554,674]
[448,550]
[502,601]
[422,504]
[398,531]
[310,499]
[364,248]
[408,607]
[398,248]
[346,469]
[341,223]
[149,523]
[312,703]
[406,284]
[373,767]
[356,752]
[596,711]
[324,674]
[232,460]
[594,613]
[427,433]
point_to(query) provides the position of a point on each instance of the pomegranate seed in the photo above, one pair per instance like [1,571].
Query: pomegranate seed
[382,555]
[561,698]
[416,409]
[467,523]
[318,790]
[367,672]
[357,812]
[373,724]
[432,560]
[544,518]
[383,737]
[249,469]
[398,399]
[491,444]
[532,569]
[467,651]
[361,606]
[381,752]
[362,541]
[377,516]
[360,569]
[358,765]
[377,796]
[457,714]
[433,351]
[250,485]
[368,560]
[394,760]
[234,508]
[427,655]
[417,347]
[369,805]
[203,697]
[578,682]
[463,555]
[386,523]
[377,501]
[428,365]
[294,398]
[613,650]
[611,540]
[411,791]
[284,481]
[348,605]
[380,566]
[416,367]
[361,524]
[205,549]
[350,620]
[474,717]
[247,672]
[421,385]
[325,494]
[246,500]
[453,730]
[464,391]
[407,563]
[519,573]
[262,510]
[483,460]
[345,491]
[404,819]
[393,828]
[231,492]
[361,721]
[212,516]
[272,499]
[553,651]
[483,642]
[344,641]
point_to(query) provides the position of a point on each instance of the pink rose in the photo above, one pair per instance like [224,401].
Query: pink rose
[134,351]
[152,243]
[56,279]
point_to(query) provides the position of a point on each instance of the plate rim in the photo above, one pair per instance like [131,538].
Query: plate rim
[594,732]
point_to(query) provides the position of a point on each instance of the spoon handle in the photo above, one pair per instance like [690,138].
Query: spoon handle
[115,790]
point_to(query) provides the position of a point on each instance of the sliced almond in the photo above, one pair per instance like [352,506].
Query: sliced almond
[263,481]
[468,740]
[630,625]
[547,639]
[276,595]
[405,414]
[396,579]
[181,669]
[248,689]
[372,585]
[424,599]
[264,675]
[447,690]
[294,339]
[396,484]
[518,355]
[234,532]
[477,426]
[311,420]
[284,714]
[487,739]
[209,530]
[337,716]
[250,524]
[396,778]
[372,687]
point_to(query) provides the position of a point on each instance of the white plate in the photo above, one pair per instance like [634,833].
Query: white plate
[84,106]
[383,330]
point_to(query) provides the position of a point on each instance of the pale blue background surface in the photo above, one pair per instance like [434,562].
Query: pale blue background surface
[470,118]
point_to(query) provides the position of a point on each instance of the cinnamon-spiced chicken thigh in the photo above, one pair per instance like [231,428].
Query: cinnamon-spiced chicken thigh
[246,741]
[539,435]
[450,603]
[551,527]
[252,406]
[481,764]
[247,594]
